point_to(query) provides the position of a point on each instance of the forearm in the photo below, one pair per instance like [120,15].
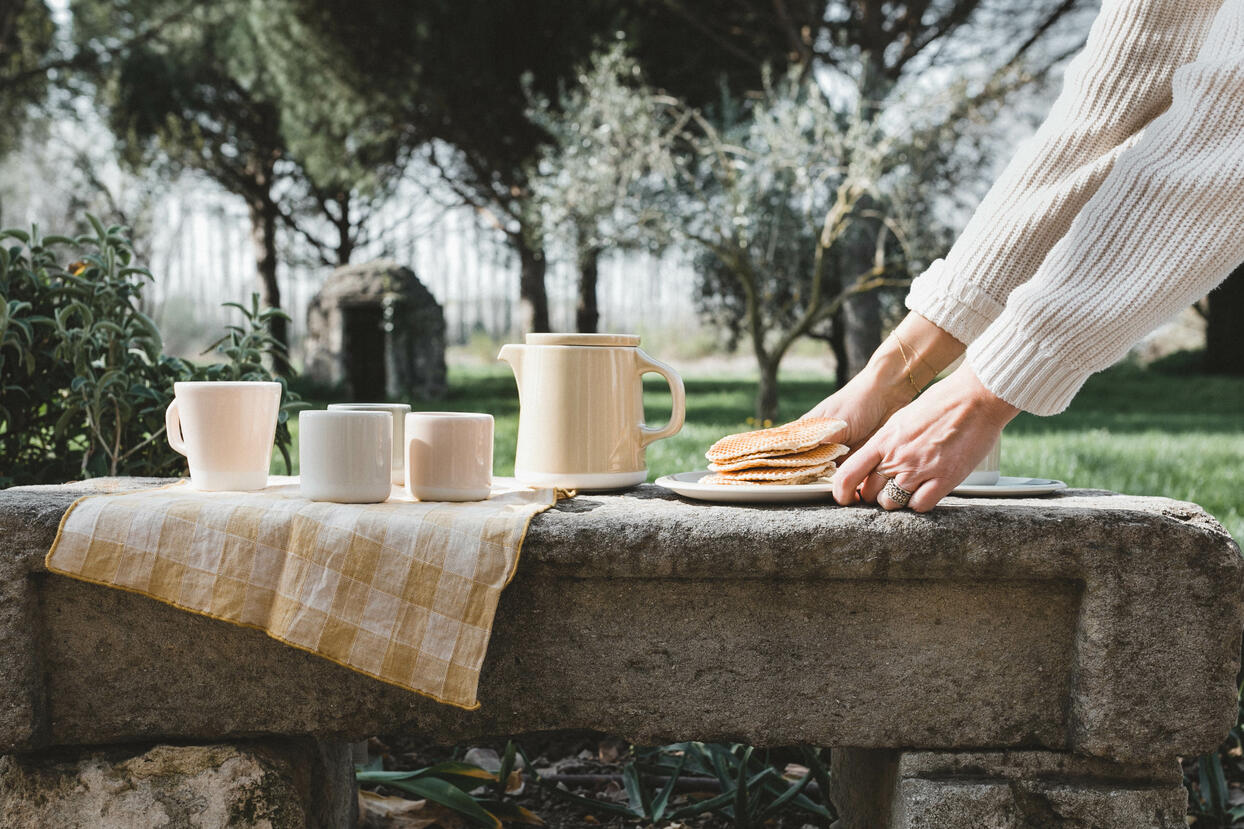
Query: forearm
[1165,227]
[914,353]
[1118,84]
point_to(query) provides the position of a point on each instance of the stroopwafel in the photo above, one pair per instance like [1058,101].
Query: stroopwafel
[816,455]
[800,476]
[789,438]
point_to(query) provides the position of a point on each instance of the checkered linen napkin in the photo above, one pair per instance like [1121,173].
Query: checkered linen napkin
[402,591]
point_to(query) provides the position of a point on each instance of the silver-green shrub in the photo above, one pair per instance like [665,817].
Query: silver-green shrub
[83,378]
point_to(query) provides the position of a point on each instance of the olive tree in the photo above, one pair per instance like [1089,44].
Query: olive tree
[767,198]
[762,194]
[879,56]
[607,147]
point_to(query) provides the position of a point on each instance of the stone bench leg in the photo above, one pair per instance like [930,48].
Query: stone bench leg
[281,783]
[1003,790]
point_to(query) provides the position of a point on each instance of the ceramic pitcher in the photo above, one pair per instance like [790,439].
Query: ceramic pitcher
[581,412]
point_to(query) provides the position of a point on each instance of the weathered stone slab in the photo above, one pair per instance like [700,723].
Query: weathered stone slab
[862,784]
[662,658]
[280,784]
[29,517]
[1100,624]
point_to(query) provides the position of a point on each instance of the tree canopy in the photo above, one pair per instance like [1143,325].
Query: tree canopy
[27,39]
[225,89]
[460,75]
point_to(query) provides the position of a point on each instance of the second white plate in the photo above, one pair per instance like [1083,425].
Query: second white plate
[687,484]
[1009,487]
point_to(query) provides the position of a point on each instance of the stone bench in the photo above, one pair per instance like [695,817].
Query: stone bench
[1035,662]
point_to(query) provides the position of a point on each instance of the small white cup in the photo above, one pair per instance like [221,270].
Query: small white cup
[449,456]
[399,412]
[988,471]
[225,429]
[345,456]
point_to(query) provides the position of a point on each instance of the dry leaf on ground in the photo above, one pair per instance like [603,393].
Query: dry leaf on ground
[380,812]
[609,750]
[794,771]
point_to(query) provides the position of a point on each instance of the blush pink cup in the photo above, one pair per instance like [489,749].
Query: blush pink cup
[449,456]
[225,429]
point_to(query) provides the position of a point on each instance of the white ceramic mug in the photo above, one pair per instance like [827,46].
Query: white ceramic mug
[399,412]
[988,471]
[449,456]
[225,429]
[345,456]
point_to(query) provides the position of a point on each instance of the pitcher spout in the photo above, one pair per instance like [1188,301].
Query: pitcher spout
[512,353]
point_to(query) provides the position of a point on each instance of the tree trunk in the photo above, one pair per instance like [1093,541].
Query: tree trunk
[861,332]
[1224,330]
[587,314]
[838,344]
[263,238]
[345,242]
[767,392]
[860,319]
[345,249]
[533,300]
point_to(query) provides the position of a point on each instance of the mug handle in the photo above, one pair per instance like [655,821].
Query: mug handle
[647,365]
[172,428]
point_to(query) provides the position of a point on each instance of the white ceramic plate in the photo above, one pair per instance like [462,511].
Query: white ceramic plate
[1008,487]
[687,484]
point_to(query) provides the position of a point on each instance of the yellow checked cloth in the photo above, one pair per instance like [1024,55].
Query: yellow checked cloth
[402,591]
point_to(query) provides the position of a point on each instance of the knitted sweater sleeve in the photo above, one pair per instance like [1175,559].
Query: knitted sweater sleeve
[1118,83]
[1164,228]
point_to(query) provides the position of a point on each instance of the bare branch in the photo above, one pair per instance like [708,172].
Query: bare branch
[471,199]
[724,42]
[958,14]
[1056,14]
[322,251]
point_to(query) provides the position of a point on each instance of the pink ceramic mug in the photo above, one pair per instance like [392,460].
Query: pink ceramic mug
[225,429]
[449,456]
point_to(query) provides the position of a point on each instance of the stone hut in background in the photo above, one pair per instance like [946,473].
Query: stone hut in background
[378,332]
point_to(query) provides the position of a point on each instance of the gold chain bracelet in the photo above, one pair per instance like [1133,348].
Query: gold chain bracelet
[902,349]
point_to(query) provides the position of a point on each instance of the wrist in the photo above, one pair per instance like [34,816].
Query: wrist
[907,361]
[984,400]
[887,378]
[930,348]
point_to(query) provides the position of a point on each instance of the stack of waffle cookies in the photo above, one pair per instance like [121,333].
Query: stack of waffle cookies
[801,452]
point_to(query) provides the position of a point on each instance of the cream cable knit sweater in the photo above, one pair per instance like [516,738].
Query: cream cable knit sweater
[1125,207]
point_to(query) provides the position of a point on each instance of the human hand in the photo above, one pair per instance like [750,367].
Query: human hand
[929,447]
[908,359]
[864,405]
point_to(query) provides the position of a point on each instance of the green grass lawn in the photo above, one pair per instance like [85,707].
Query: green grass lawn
[1164,431]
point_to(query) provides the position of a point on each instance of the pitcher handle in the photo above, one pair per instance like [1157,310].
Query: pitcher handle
[172,428]
[678,414]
